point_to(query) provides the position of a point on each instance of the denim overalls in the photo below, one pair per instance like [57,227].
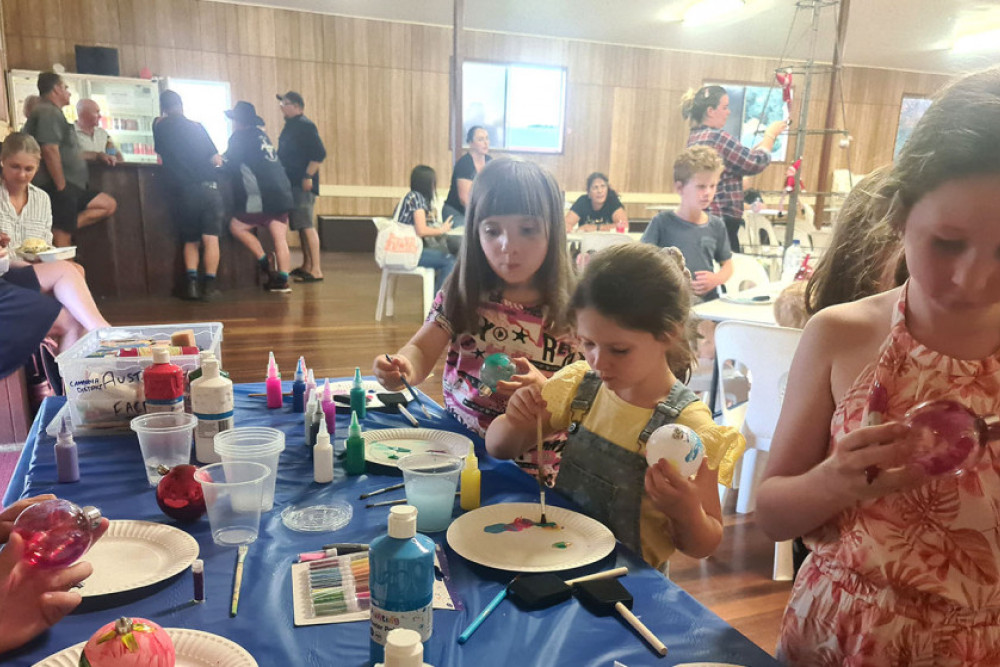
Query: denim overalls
[607,481]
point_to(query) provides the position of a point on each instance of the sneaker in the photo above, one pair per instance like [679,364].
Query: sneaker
[209,291]
[191,290]
[276,284]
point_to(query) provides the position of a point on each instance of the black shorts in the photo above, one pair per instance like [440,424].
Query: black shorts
[26,315]
[67,203]
[198,211]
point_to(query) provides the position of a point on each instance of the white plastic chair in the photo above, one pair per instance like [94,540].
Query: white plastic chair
[766,352]
[747,273]
[591,242]
[387,286]
[757,222]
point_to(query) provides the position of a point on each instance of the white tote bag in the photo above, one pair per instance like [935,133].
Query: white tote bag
[397,246]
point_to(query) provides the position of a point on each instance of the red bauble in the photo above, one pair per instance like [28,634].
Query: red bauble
[129,642]
[179,494]
[56,532]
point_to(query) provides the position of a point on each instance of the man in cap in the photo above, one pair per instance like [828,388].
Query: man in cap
[301,151]
[190,162]
[265,197]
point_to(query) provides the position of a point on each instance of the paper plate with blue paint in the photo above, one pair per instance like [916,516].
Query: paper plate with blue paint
[387,446]
[508,536]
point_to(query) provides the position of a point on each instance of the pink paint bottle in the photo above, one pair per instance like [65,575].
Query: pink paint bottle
[273,383]
[329,409]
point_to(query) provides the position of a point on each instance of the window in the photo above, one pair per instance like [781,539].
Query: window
[752,109]
[910,111]
[521,106]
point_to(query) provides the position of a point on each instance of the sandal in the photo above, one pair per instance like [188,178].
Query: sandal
[298,273]
[307,278]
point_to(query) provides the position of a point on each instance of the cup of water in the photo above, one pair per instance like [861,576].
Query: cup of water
[165,439]
[431,481]
[254,443]
[233,492]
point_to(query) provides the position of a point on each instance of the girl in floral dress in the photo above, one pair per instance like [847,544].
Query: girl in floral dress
[905,568]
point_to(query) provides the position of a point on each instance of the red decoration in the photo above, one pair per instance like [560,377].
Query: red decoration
[56,532]
[129,642]
[791,173]
[785,79]
[179,494]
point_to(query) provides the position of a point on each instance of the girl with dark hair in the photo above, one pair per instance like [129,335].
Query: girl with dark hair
[470,164]
[707,111]
[632,310]
[599,210]
[417,208]
[508,293]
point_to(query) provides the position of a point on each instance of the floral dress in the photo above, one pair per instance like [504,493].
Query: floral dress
[911,578]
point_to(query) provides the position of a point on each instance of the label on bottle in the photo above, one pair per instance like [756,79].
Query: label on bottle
[417,619]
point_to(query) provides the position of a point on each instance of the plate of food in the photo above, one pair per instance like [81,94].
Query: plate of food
[387,446]
[509,536]
[35,249]
[192,648]
[134,554]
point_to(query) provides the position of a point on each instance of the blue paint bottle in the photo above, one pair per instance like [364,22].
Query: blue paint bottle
[401,578]
[358,398]
[299,387]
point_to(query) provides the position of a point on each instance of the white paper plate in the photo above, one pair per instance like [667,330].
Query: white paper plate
[387,446]
[194,648]
[529,550]
[50,255]
[133,554]
[755,300]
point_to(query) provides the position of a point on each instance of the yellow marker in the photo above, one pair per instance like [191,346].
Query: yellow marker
[471,477]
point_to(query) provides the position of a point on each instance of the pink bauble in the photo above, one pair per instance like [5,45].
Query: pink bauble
[129,642]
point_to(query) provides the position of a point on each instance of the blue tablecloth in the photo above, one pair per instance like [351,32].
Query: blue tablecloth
[112,479]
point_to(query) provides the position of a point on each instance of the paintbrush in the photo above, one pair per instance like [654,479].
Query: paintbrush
[406,384]
[382,490]
[241,555]
[541,475]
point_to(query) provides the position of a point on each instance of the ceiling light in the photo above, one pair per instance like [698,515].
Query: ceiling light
[709,11]
[987,40]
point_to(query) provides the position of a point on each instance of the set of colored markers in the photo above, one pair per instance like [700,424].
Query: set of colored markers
[339,584]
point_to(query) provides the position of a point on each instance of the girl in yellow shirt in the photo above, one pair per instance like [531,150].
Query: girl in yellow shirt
[632,307]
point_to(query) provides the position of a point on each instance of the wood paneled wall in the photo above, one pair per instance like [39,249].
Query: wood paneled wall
[378,90]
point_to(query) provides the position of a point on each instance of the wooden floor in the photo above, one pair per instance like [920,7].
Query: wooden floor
[332,323]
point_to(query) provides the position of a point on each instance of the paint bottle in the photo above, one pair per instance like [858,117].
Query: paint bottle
[273,383]
[354,462]
[212,404]
[67,459]
[163,384]
[299,387]
[311,421]
[471,481]
[310,385]
[403,649]
[401,580]
[329,409]
[198,575]
[323,456]
[358,397]
[196,373]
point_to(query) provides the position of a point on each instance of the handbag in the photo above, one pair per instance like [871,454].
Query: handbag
[397,246]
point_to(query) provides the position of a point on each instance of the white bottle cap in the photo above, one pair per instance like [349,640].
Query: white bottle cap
[198,566]
[403,648]
[210,368]
[206,354]
[161,355]
[403,522]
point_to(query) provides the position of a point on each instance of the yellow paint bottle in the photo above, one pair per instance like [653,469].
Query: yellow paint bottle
[471,478]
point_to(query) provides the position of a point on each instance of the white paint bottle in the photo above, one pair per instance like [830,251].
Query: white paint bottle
[212,404]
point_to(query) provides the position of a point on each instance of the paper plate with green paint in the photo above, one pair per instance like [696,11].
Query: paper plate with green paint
[508,537]
[388,446]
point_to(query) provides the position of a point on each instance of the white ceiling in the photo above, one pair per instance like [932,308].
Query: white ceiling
[899,34]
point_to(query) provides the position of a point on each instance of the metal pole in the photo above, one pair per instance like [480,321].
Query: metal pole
[800,137]
[455,133]
[831,115]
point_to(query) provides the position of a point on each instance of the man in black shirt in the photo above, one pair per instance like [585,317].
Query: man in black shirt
[189,167]
[301,151]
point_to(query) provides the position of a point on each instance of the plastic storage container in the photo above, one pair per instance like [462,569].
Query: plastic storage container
[104,392]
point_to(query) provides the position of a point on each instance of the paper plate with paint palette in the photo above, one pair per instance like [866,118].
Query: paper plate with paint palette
[508,537]
[388,446]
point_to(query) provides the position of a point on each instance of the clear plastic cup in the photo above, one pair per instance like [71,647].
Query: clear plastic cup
[431,481]
[233,491]
[164,439]
[254,443]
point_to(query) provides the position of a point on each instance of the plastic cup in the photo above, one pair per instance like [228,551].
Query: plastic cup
[254,443]
[431,481]
[233,491]
[164,439]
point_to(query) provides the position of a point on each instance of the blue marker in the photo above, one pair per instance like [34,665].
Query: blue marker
[299,387]
[478,620]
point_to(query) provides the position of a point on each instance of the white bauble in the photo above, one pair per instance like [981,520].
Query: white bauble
[679,445]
